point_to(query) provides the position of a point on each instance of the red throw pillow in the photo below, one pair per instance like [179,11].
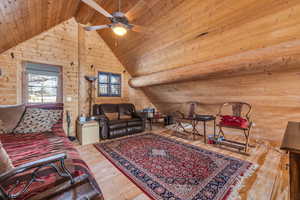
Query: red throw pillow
[228,120]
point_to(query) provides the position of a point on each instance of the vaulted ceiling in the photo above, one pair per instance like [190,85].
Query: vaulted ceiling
[20,20]
[187,36]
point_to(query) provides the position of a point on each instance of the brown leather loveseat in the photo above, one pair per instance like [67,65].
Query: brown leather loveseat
[118,120]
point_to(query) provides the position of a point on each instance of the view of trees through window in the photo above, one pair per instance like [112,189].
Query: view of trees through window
[42,88]
[42,83]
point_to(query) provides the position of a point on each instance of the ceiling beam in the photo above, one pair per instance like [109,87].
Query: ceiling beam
[272,58]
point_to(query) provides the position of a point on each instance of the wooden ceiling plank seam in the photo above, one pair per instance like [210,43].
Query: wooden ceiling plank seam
[192,34]
[142,45]
[4,14]
[19,17]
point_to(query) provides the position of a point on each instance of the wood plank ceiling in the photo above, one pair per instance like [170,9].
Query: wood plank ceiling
[187,33]
[20,20]
[191,33]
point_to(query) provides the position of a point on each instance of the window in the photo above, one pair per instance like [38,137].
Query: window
[42,84]
[109,84]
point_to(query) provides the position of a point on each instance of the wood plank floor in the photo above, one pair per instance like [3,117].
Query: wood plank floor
[269,182]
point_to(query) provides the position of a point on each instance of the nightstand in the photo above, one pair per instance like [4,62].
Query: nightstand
[88,132]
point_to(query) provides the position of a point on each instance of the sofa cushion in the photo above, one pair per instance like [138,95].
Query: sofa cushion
[115,124]
[5,162]
[126,108]
[112,116]
[109,108]
[38,120]
[10,117]
[135,122]
[125,117]
[26,148]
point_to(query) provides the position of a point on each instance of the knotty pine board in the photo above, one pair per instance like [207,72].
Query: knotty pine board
[66,45]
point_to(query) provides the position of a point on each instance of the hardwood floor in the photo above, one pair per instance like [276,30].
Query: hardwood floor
[269,182]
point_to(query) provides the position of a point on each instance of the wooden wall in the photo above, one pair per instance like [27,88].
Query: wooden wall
[192,32]
[274,97]
[76,51]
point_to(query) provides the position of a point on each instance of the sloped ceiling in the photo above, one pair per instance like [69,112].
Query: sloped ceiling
[183,33]
[190,32]
[20,20]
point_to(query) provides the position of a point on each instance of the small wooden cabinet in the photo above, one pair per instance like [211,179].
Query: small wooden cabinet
[291,143]
[88,132]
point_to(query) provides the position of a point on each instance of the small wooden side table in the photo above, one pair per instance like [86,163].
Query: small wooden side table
[88,132]
[204,119]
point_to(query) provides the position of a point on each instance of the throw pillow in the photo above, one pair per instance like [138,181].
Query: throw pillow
[5,162]
[10,117]
[37,120]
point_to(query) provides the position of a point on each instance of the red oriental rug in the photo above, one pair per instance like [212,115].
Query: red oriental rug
[166,169]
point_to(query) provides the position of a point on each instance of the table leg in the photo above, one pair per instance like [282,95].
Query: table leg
[194,127]
[204,123]
[214,128]
[150,123]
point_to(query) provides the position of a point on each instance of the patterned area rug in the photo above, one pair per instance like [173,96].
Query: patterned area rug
[166,169]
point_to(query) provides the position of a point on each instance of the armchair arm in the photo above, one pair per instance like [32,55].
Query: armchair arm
[50,161]
[178,113]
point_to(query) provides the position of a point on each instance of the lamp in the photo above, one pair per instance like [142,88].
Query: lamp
[91,80]
[119,29]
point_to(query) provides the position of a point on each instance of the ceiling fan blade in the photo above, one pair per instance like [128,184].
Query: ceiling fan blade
[98,8]
[94,28]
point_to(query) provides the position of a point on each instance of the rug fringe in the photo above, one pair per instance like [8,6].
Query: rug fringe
[239,184]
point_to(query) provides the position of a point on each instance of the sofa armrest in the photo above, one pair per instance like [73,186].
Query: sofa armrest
[35,166]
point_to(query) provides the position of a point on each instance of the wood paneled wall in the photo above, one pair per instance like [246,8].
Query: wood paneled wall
[79,53]
[96,56]
[189,33]
[274,97]
[58,46]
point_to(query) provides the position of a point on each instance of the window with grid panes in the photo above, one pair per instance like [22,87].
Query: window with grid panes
[42,84]
[109,84]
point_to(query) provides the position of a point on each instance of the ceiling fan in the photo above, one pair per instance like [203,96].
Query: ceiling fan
[119,22]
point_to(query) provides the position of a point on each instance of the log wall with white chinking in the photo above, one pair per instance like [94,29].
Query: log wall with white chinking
[196,33]
[66,45]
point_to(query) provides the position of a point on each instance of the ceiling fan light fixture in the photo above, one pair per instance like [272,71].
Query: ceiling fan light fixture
[119,30]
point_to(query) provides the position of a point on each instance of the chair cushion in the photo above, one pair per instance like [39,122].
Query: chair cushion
[38,120]
[5,162]
[234,121]
[10,117]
